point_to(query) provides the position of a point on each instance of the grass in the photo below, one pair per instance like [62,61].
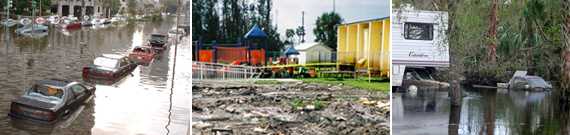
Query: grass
[376,84]
[267,82]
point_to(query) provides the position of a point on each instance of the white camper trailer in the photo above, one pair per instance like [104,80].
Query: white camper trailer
[418,43]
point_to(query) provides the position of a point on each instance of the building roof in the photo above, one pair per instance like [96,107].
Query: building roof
[255,32]
[366,20]
[291,51]
[306,46]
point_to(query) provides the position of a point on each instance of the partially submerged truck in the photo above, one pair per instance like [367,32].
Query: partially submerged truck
[419,45]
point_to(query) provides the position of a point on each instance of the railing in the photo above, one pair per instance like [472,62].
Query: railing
[216,71]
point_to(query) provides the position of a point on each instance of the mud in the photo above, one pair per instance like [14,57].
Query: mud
[287,108]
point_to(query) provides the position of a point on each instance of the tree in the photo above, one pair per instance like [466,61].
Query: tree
[111,5]
[492,33]
[565,83]
[326,29]
[131,7]
[300,31]
[22,7]
[227,21]
[289,34]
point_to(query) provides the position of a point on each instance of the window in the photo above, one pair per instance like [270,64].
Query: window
[418,31]
[78,91]
[124,62]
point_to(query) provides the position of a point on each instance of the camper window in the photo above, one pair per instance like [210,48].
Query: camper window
[418,31]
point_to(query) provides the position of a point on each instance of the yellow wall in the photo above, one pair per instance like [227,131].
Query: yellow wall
[351,48]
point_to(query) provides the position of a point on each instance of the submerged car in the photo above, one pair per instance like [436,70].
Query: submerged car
[158,42]
[109,67]
[49,100]
[33,30]
[142,55]
[176,33]
[533,83]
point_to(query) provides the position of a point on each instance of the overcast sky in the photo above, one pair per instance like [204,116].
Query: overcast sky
[287,13]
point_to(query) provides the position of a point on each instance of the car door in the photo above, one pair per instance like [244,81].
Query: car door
[126,66]
[79,93]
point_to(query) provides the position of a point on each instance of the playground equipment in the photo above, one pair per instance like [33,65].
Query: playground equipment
[365,45]
[248,52]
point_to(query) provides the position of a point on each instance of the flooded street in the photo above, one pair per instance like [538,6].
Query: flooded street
[142,103]
[483,111]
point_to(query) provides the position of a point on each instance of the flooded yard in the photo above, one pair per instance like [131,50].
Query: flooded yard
[292,107]
[483,111]
[145,102]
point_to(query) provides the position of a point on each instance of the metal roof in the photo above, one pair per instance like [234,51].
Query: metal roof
[366,20]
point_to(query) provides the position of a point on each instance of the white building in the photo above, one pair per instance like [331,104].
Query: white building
[314,53]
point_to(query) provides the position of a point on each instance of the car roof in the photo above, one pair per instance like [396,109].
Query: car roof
[54,82]
[113,56]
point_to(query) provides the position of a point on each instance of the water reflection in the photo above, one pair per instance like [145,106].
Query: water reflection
[483,111]
[137,104]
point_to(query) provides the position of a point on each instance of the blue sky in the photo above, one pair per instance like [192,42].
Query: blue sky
[287,13]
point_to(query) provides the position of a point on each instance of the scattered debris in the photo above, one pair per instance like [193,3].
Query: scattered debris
[288,108]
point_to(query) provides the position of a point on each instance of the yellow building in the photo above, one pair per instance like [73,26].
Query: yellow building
[366,45]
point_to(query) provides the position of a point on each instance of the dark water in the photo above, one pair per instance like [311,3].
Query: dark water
[481,112]
[143,103]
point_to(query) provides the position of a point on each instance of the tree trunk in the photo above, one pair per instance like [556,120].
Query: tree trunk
[492,33]
[455,88]
[565,83]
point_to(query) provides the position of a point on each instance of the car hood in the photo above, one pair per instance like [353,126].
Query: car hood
[36,102]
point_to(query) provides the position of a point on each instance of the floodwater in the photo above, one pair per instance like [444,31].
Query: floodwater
[483,111]
[145,102]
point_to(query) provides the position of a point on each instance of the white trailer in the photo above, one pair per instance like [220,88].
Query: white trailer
[418,42]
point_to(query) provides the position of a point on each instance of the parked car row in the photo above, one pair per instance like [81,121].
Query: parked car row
[48,101]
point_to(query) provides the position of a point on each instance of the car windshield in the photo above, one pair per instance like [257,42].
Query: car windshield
[157,37]
[105,62]
[46,92]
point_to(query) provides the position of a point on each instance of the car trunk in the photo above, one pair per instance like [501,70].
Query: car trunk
[25,107]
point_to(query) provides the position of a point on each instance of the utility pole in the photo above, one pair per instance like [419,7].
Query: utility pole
[334,6]
[303,26]
[173,66]
[82,10]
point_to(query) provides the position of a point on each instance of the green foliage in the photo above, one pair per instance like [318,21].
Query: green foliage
[529,37]
[229,20]
[23,7]
[297,103]
[376,84]
[318,104]
[289,34]
[326,29]
[267,82]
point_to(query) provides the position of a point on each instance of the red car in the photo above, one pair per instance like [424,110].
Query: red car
[109,67]
[142,55]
